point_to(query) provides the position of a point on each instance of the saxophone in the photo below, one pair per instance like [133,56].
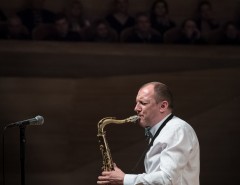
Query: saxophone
[104,148]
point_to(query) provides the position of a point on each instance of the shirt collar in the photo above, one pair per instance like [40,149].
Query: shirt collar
[154,129]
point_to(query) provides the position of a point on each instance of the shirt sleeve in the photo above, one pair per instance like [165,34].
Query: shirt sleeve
[147,179]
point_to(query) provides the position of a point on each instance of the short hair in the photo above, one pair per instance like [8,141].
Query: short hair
[186,20]
[202,3]
[160,1]
[162,92]
[60,16]
[142,14]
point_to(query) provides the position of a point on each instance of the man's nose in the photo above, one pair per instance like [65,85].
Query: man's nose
[137,108]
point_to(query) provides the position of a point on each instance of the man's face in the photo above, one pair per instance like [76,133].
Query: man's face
[62,26]
[122,6]
[76,9]
[146,106]
[160,9]
[102,30]
[143,23]
[15,25]
[37,4]
[231,31]
[206,12]
[189,28]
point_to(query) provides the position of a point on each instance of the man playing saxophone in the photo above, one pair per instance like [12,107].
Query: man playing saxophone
[172,157]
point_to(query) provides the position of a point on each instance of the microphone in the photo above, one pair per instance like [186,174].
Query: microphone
[38,120]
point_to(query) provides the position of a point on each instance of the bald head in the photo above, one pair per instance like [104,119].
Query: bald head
[161,92]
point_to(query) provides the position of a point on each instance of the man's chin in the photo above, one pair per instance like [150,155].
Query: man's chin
[142,123]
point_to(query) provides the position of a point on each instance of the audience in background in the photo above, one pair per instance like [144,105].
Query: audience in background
[142,32]
[44,32]
[2,16]
[63,32]
[36,14]
[205,19]
[159,15]
[237,17]
[3,28]
[16,29]
[190,34]
[119,19]
[76,18]
[155,26]
[100,31]
[231,35]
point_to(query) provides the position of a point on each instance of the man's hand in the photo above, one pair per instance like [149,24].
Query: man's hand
[112,177]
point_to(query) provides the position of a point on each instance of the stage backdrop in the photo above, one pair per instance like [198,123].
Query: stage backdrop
[73,86]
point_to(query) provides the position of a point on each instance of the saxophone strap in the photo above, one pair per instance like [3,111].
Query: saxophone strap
[152,140]
[159,130]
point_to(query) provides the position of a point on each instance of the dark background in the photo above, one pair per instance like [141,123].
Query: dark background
[73,86]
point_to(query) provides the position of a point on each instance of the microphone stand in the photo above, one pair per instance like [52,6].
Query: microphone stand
[22,152]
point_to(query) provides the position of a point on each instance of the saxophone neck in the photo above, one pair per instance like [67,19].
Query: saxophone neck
[102,123]
[105,121]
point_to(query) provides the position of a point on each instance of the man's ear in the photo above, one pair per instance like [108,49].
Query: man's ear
[163,106]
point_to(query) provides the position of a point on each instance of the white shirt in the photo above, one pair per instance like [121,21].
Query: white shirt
[173,159]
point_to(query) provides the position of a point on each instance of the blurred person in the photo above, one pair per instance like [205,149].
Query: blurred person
[16,30]
[231,34]
[205,19]
[76,18]
[100,31]
[173,154]
[237,16]
[120,19]
[189,33]
[159,15]
[63,32]
[142,32]
[3,27]
[3,17]
[44,32]
[36,14]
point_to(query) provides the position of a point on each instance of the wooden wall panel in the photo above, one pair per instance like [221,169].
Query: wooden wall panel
[64,150]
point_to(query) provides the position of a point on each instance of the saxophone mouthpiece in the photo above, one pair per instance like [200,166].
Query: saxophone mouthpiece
[133,118]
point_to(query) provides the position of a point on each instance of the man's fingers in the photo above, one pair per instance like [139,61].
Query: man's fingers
[105,173]
[103,177]
[103,180]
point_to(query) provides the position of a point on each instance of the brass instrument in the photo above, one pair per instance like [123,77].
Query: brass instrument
[104,148]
